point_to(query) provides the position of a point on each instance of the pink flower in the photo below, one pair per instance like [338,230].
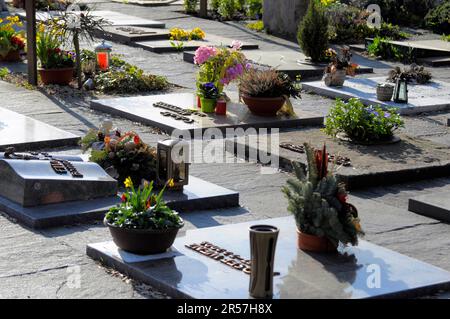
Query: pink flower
[236,44]
[203,53]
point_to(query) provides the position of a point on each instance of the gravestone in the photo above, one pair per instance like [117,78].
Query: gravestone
[25,133]
[114,18]
[433,96]
[163,46]
[129,34]
[289,62]
[282,17]
[435,205]
[141,109]
[184,273]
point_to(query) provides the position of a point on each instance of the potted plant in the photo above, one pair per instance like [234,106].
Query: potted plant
[56,65]
[208,94]
[266,91]
[355,122]
[143,223]
[122,155]
[319,204]
[11,41]
[339,67]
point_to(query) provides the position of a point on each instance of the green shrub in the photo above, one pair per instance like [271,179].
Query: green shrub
[227,9]
[404,12]
[4,72]
[446,37]
[313,32]
[381,47]
[254,8]
[438,19]
[215,4]
[362,123]
[190,6]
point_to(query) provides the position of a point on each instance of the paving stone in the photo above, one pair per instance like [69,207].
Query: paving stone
[25,133]
[140,109]
[288,61]
[434,96]
[344,275]
[164,46]
[435,205]
[199,194]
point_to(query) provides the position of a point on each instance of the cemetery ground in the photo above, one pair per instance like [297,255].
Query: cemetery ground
[38,263]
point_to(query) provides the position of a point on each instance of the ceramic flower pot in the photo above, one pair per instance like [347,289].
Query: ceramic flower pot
[12,56]
[385,92]
[208,105]
[264,106]
[56,76]
[314,243]
[142,241]
[336,78]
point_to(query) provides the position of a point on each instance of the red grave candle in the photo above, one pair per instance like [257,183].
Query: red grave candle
[221,107]
[102,61]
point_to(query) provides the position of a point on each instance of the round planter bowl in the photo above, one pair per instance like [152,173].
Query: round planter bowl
[264,106]
[56,76]
[313,243]
[142,241]
[12,56]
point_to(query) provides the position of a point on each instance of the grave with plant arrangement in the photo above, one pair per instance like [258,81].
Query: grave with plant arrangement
[12,42]
[184,272]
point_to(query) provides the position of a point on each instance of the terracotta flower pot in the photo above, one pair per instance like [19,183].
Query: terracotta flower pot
[56,76]
[142,241]
[336,78]
[314,243]
[264,106]
[12,56]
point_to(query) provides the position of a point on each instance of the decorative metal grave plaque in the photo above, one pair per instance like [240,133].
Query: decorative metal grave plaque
[32,179]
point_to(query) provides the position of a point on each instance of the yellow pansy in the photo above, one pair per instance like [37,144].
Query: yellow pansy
[171,183]
[128,182]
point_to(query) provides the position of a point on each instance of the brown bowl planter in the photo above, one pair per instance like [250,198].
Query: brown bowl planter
[12,56]
[142,241]
[56,76]
[314,243]
[264,106]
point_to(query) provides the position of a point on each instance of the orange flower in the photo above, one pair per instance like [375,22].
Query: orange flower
[107,139]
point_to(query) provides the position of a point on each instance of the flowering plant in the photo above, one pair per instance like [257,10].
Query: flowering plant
[208,91]
[121,154]
[10,39]
[220,66]
[177,34]
[340,61]
[362,123]
[142,209]
[48,48]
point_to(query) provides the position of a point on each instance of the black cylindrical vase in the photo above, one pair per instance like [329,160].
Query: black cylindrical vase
[263,241]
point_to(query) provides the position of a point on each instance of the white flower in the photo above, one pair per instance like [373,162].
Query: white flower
[236,44]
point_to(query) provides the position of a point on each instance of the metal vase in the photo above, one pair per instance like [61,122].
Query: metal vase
[263,241]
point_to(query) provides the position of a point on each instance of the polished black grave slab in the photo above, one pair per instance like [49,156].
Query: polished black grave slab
[140,109]
[25,133]
[130,34]
[365,271]
[198,195]
[435,205]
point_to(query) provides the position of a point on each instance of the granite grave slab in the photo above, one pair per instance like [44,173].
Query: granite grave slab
[302,275]
[163,46]
[141,109]
[113,17]
[435,205]
[198,195]
[411,159]
[130,34]
[433,96]
[289,62]
[25,133]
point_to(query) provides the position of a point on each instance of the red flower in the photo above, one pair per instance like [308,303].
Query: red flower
[342,197]
[136,139]
[18,42]
[322,162]
[57,50]
[123,198]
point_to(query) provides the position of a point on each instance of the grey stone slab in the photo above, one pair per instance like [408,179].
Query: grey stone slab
[435,61]
[435,205]
[344,275]
[198,195]
[25,133]
[129,34]
[288,61]
[423,48]
[164,46]
[114,18]
[371,165]
[433,96]
[140,109]
[34,182]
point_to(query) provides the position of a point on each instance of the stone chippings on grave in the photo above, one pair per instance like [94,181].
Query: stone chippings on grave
[39,180]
